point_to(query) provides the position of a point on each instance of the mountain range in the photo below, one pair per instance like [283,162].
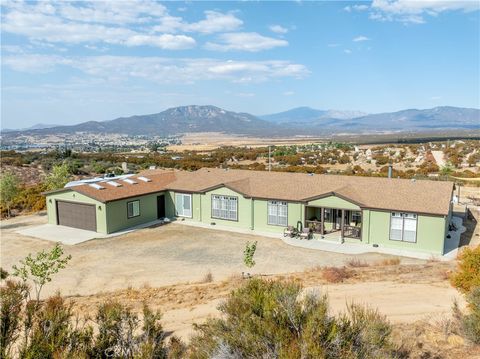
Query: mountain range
[298,121]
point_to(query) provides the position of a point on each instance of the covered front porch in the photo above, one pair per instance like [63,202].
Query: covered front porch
[334,223]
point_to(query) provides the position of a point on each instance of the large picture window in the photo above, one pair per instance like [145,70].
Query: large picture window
[403,227]
[277,213]
[225,207]
[133,209]
[183,204]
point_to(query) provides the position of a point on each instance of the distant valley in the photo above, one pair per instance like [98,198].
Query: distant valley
[301,121]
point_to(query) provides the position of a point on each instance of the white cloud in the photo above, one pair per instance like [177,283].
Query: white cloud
[160,69]
[214,22]
[278,29]
[126,22]
[288,93]
[415,11]
[349,8]
[40,26]
[360,38]
[347,51]
[164,41]
[245,41]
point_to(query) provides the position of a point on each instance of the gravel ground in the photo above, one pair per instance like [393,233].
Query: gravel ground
[166,255]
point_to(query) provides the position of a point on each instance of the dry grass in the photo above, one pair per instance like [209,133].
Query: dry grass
[335,274]
[434,339]
[389,262]
[207,278]
[356,263]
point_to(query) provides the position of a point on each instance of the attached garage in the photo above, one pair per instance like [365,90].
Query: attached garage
[77,215]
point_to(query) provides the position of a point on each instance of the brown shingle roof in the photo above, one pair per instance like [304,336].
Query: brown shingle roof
[369,192]
[109,193]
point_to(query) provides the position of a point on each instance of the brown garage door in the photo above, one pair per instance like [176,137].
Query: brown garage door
[77,215]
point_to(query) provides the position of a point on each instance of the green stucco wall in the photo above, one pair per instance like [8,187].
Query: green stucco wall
[295,214]
[73,196]
[205,209]
[117,218]
[430,232]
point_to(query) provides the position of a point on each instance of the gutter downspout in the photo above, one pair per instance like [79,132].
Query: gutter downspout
[252,211]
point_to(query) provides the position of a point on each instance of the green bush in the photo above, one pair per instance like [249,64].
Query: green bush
[273,319]
[467,275]
[12,296]
[470,323]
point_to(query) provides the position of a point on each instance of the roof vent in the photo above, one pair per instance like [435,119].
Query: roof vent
[129,181]
[96,186]
[114,184]
[144,179]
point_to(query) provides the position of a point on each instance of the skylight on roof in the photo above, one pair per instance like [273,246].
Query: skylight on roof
[144,179]
[130,181]
[96,186]
[114,184]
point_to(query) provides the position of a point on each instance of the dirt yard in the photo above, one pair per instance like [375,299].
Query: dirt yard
[167,266]
[160,256]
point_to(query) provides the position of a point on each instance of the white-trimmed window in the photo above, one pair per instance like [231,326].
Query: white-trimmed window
[225,207]
[277,213]
[403,227]
[183,204]
[133,209]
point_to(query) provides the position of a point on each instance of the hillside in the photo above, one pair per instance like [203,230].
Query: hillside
[173,121]
[298,121]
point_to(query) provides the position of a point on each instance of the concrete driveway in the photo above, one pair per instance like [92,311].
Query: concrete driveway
[62,234]
[72,236]
[169,254]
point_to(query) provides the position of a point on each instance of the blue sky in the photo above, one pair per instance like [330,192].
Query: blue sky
[69,62]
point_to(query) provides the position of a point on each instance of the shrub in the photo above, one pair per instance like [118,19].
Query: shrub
[208,277]
[356,263]
[12,295]
[467,275]
[274,319]
[470,323]
[335,274]
[3,273]
[389,262]
[51,332]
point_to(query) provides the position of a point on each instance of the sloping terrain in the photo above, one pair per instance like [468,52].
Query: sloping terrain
[302,121]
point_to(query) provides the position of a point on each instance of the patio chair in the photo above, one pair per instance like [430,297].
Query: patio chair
[305,233]
[290,231]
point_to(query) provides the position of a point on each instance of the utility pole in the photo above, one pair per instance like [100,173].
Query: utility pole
[269,158]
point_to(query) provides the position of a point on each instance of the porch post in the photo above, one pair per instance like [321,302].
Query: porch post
[342,225]
[322,220]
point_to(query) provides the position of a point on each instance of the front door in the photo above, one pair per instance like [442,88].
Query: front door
[161,206]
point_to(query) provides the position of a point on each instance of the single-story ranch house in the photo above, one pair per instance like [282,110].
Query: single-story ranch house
[380,212]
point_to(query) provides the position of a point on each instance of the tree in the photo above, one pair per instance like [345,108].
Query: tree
[8,190]
[58,177]
[41,268]
[248,254]
[447,169]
